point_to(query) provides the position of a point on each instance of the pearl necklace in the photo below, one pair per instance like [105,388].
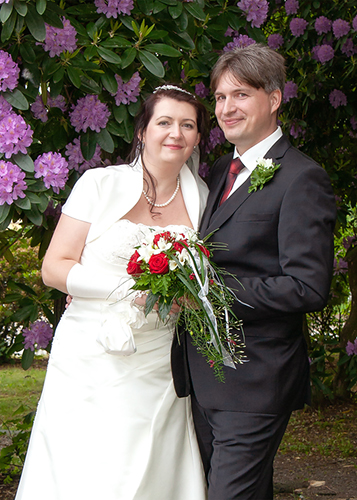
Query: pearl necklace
[161,205]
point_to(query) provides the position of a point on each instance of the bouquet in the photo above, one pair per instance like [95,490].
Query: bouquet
[172,266]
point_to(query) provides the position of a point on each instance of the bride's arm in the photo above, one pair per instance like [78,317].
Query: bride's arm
[64,251]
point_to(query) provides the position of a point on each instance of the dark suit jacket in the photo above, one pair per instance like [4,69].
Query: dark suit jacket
[280,242]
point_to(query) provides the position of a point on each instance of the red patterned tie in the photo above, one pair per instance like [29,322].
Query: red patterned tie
[234,169]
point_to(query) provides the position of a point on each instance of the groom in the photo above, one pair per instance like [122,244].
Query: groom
[280,248]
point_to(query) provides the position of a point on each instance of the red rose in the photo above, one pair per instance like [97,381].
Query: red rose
[159,264]
[178,246]
[166,235]
[204,250]
[133,267]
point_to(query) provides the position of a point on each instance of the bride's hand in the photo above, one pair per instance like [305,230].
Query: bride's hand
[141,300]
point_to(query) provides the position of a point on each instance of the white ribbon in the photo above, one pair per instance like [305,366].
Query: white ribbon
[202,294]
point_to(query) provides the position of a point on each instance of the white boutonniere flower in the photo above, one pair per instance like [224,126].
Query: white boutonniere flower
[263,173]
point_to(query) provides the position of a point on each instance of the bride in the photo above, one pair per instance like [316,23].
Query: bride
[109,424]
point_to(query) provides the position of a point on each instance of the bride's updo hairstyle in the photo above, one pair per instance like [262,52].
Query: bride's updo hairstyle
[147,110]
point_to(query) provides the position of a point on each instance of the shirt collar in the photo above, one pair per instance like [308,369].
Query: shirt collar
[249,158]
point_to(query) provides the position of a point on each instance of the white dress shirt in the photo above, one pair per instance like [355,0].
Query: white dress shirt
[249,158]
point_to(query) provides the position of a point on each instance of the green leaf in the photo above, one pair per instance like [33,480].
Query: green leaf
[109,55]
[152,63]
[23,203]
[58,75]
[8,27]
[25,312]
[194,10]
[51,17]
[21,7]
[35,24]
[34,215]
[120,113]
[4,212]
[27,358]
[16,99]
[128,57]
[25,162]
[105,140]
[146,6]
[150,302]
[88,144]
[109,82]
[115,42]
[183,40]
[163,49]
[5,11]
[176,10]
[41,6]
[75,76]
[27,53]
[114,128]
[89,85]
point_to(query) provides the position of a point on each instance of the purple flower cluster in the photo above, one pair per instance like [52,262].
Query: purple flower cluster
[40,111]
[4,1]
[59,40]
[296,130]
[340,266]
[340,28]
[76,160]
[291,7]
[112,8]
[290,91]
[89,112]
[351,348]
[353,122]
[54,170]
[323,53]
[129,91]
[201,90]
[348,48]
[5,108]
[256,10]
[298,26]
[216,137]
[15,135]
[38,335]
[275,41]
[337,98]
[240,42]
[354,23]
[203,170]
[322,25]
[9,72]
[12,184]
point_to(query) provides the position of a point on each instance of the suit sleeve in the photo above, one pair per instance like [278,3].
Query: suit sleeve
[305,249]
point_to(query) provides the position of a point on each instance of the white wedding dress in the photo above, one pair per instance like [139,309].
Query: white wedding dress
[108,426]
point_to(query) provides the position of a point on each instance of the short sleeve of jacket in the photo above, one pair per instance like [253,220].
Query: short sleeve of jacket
[83,200]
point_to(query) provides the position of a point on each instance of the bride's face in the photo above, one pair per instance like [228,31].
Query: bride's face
[171,133]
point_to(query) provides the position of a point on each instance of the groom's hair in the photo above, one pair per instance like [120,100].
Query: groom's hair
[256,65]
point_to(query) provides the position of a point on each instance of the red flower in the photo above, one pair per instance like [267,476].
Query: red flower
[159,264]
[133,267]
[166,235]
[192,276]
[178,246]
[204,250]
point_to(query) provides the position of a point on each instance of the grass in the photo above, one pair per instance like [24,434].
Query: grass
[19,387]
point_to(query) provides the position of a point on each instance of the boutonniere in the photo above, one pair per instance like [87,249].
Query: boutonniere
[263,173]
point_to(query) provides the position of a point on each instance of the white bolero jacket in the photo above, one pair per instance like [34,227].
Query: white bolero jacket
[102,196]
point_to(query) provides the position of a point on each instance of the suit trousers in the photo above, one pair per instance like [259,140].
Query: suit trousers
[238,451]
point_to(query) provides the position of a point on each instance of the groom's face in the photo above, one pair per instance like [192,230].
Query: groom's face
[245,114]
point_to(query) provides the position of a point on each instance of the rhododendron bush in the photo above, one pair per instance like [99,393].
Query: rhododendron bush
[73,75]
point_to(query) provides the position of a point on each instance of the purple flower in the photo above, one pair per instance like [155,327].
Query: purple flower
[89,112]
[12,184]
[38,335]
[339,266]
[9,72]
[112,8]
[216,137]
[229,32]
[291,7]
[298,26]
[240,42]
[54,170]
[323,53]
[4,1]
[59,40]
[348,242]
[201,90]
[40,111]
[15,135]
[337,98]
[53,211]
[354,23]
[203,170]
[348,48]
[5,108]
[340,28]
[322,25]
[256,10]
[351,348]
[127,92]
[296,130]
[353,122]
[76,160]
[275,41]
[290,91]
